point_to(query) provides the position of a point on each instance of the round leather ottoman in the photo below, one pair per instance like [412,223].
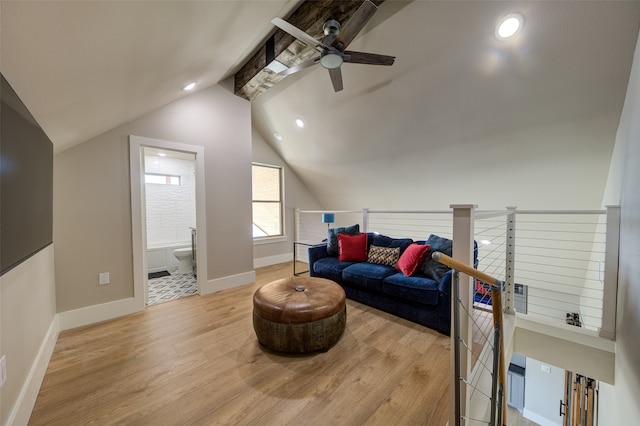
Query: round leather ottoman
[299,314]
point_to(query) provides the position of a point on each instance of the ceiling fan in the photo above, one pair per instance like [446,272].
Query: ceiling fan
[333,44]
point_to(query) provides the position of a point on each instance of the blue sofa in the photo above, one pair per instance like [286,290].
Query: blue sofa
[424,297]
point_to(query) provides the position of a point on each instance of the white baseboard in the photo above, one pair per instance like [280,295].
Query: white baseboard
[542,421]
[97,313]
[231,281]
[23,407]
[272,260]
[118,308]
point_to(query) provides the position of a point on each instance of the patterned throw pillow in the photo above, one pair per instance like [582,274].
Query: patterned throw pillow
[384,255]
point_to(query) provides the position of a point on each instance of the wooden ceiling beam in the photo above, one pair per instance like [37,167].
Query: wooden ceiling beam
[254,78]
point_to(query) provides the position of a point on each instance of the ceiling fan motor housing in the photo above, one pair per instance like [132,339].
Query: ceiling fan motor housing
[331,27]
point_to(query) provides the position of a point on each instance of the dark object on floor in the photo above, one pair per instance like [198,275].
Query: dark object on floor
[299,314]
[160,274]
[573,318]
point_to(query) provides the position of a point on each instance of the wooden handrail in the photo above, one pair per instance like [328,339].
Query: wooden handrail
[462,267]
[496,307]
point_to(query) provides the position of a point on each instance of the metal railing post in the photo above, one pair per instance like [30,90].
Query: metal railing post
[494,377]
[365,220]
[296,225]
[455,290]
[510,257]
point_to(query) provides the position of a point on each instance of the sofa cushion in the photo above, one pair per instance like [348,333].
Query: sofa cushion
[330,267]
[352,248]
[430,267]
[384,241]
[416,288]
[332,237]
[412,259]
[367,275]
[383,255]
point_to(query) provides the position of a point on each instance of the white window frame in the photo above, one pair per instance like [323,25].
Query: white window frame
[282,236]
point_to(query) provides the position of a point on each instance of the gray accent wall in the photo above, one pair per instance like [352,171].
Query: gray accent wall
[92,207]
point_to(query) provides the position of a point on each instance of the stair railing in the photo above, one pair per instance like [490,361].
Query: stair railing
[498,414]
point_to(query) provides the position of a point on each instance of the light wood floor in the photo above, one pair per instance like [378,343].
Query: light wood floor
[196,361]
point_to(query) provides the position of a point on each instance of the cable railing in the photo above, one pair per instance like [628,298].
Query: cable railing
[552,262]
[556,265]
[560,257]
[491,363]
[491,237]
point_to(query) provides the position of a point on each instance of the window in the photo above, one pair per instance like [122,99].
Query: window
[267,200]
[161,179]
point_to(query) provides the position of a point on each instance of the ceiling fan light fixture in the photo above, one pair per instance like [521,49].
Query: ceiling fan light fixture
[331,61]
[509,26]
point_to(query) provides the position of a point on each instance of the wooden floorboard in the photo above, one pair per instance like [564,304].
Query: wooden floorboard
[196,361]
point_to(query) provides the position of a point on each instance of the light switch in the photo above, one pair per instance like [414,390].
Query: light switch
[104,278]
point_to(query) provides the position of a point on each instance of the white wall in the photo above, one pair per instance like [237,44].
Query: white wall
[28,331]
[619,403]
[543,392]
[296,195]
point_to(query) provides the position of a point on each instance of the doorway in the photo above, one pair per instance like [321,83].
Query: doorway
[168,220]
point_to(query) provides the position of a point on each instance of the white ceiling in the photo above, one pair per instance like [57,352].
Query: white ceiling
[539,111]
[84,67]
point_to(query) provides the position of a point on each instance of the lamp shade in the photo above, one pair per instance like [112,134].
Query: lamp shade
[327,218]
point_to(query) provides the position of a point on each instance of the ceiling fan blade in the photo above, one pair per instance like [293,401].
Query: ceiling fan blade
[358,20]
[299,67]
[368,58]
[297,33]
[336,79]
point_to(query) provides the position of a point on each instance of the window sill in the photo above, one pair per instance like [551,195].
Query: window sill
[269,240]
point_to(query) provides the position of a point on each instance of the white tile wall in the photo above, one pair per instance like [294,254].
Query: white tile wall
[171,209]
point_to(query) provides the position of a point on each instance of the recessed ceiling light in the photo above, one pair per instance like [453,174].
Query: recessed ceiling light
[485,242]
[189,86]
[162,154]
[277,136]
[509,26]
[299,122]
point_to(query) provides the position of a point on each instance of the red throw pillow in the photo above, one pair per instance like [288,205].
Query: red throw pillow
[352,248]
[412,258]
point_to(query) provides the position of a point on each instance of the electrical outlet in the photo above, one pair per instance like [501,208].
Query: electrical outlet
[3,370]
[545,368]
[103,278]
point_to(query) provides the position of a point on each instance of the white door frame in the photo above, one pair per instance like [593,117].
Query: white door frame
[139,219]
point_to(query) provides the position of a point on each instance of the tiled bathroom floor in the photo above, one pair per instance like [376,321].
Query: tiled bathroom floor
[171,287]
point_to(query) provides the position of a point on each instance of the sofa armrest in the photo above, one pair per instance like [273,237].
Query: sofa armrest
[445,283]
[316,253]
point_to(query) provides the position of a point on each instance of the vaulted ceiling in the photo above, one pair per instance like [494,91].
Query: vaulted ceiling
[460,117]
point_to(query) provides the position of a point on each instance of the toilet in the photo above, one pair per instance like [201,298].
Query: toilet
[184,257]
